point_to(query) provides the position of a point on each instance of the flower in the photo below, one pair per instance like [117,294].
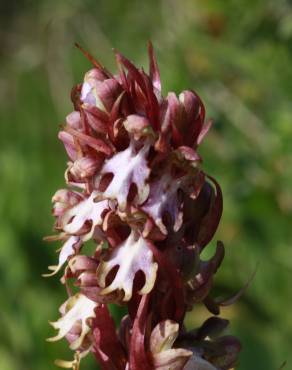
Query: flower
[137,191]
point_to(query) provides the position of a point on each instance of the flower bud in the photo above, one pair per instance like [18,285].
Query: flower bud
[98,91]
[136,125]
[82,263]
[84,167]
[73,120]
[64,199]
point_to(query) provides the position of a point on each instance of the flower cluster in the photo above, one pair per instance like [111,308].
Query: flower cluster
[136,193]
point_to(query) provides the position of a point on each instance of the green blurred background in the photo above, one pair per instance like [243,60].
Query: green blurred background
[238,56]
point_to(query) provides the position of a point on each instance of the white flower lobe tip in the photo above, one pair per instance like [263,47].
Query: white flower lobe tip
[69,249]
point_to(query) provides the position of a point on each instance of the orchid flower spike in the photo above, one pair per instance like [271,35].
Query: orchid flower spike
[136,190]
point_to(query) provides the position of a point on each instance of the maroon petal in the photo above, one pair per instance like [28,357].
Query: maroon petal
[153,68]
[138,356]
[96,118]
[189,154]
[201,118]
[173,118]
[152,107]
[212,327]
[211,221]
[114,116]
[69,144]
[97,144]
[107,347]
[175,280]
[204,131]
[132,69]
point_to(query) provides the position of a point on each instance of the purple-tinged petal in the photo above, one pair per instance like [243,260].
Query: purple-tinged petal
[173,276]
[153,68]
[69,144]
[96,118]
[85,167]
[138,358]
[138,126]
[210,222]
[107,348]
[204,131]
[189,154]
[73,120]
[98,144]
[64,199]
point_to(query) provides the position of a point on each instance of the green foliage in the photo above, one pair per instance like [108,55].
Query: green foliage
[237,55]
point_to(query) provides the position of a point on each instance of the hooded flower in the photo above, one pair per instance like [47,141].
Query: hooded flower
[76,312]
[162,339]
[136,191]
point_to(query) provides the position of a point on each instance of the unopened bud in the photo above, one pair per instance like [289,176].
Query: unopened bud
[84,167]
[136,125]
[98,91]
[64,199]
[73,120]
